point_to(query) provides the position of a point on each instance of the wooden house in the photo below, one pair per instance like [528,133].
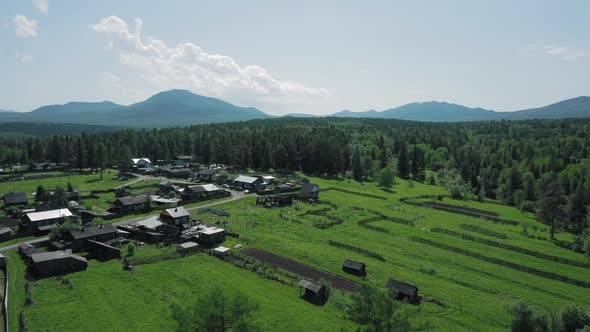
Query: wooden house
[175,216]
[130,204]
[206,174]
[309,191]
[79,238]
[15,198]
[354,267]
[312,291]
[103,251]
[211,235]
[248,182]
[404,291]
[54,263]
[205,191]
[40,222]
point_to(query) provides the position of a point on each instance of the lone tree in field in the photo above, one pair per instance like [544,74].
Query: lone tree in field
[386,177]
[217,310]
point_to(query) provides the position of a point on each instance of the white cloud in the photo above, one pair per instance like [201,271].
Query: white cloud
[25,27]
[188,66]
[564,53]
[24,58]
[41,6]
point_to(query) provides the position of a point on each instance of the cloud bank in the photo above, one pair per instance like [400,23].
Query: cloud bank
[25,27]
[188,66]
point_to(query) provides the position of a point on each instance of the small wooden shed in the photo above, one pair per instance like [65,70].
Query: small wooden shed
[187,247]
[312,291]
[354,267]
[404,290]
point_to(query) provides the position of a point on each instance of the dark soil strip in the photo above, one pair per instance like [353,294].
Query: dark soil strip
[301,269]
[511,247]
[515,266]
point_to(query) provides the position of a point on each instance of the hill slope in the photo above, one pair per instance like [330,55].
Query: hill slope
[168,108]
[447,112]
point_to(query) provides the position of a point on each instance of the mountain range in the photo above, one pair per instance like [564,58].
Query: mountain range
[182,108]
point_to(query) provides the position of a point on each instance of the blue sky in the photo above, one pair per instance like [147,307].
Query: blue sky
[302,56]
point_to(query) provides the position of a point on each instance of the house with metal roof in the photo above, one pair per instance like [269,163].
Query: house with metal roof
[248,182]
[46,220]
[175,216]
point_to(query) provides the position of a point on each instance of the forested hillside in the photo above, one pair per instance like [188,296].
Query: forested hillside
[535,165]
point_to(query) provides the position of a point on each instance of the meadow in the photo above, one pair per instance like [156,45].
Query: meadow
[467,269]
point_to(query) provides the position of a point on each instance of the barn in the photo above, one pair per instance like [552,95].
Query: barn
[404,290]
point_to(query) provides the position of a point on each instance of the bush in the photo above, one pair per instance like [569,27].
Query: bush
[130,249]
[527,318]
[574,317]
[527,206]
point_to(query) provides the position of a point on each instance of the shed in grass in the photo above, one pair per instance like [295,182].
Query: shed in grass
[221,251]
[313,292]
[354,267]
[187,247]
[404,290]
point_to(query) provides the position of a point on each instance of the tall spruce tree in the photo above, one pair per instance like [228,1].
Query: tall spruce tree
[403,165]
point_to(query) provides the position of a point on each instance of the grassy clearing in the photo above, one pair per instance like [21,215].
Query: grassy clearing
[141,300]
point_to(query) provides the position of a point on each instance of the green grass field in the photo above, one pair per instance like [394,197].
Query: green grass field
[475,284]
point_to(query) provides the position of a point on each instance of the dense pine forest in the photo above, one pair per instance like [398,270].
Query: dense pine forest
[536,165]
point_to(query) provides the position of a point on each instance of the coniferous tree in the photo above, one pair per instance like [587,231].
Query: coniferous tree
[403,164]
[357,170]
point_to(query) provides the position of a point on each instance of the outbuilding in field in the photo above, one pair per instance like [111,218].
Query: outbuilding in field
[187,247]
[309,191]
[211,235]
[314,292]
[221,251]
[103,251]
[404,290]
[354,267]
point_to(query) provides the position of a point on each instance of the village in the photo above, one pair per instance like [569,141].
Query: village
[68,236]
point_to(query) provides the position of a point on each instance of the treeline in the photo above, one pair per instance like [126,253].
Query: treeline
[521,163]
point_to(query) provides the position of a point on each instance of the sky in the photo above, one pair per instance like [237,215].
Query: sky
[315,57]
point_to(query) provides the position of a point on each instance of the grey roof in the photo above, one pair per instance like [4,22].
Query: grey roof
[54,255]
[309,187]
[188,245]
[402,287]
[177,212]
[92,231]
[354,265]
[5,230]
[137,160]
[133,200]
[207,171]
[204,188]
[316,288]
[15,197]
[52,214]
[184,157]
[246,179]
[150,223]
